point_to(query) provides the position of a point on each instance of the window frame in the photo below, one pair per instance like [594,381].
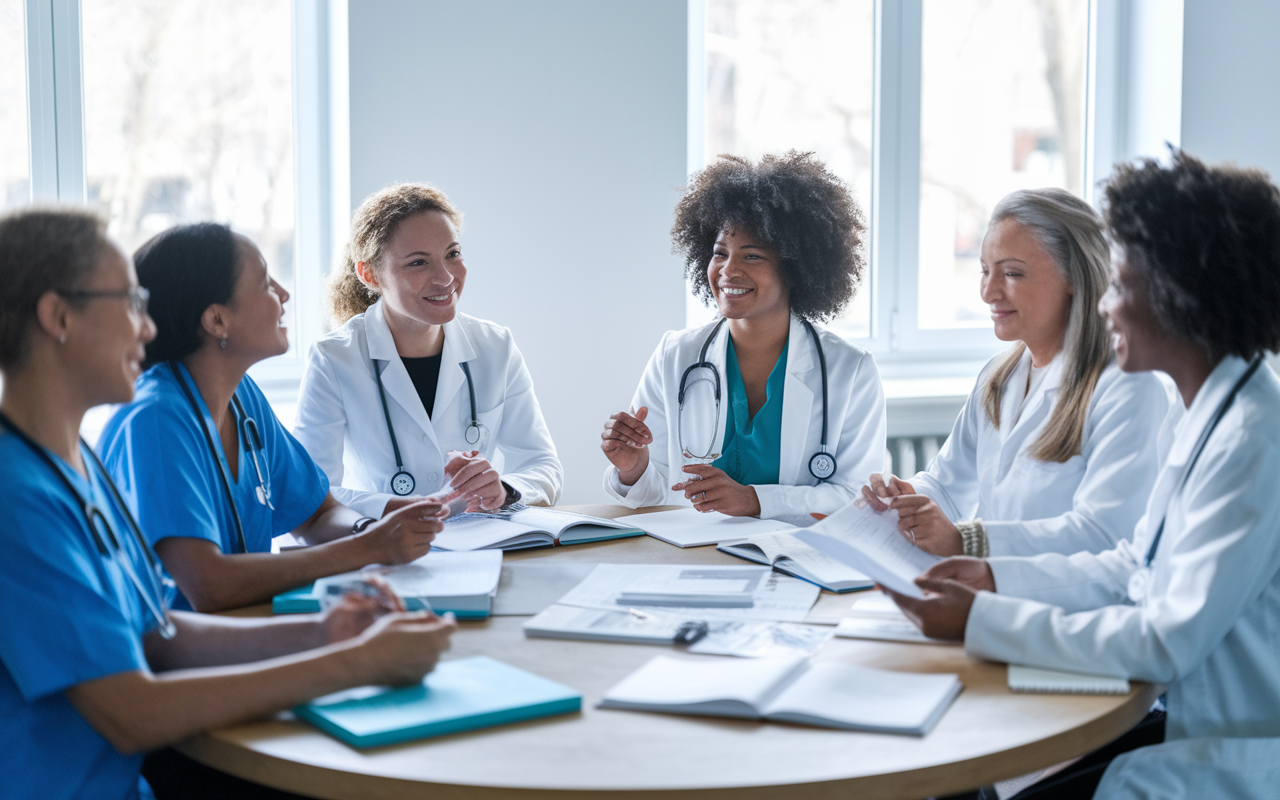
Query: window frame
[903,349]
[56,141]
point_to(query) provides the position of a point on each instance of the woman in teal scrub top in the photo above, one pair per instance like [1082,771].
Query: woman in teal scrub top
[94,670]
[213,472]
[760,413]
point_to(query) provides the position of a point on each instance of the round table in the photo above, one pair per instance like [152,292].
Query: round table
[988,734]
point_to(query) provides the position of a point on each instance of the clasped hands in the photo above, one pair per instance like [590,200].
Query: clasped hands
[625,442]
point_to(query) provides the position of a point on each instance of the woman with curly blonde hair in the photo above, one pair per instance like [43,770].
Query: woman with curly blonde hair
[409,396]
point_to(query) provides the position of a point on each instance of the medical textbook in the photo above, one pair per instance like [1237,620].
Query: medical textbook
[789,689]
[518,527]
[785,553]
[461,583]
[460,695]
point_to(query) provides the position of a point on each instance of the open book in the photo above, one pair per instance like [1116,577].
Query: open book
[869,541]
[463,583]
[785,553]
[519,526]
[789,689]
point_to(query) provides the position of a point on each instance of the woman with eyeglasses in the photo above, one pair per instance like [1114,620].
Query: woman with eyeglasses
[1192,600]
[94,668]
[214,474]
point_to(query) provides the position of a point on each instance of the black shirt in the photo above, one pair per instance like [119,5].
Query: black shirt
[424,372]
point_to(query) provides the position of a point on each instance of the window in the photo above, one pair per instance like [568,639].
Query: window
[15,158]
[188,117]
[795,76]
[931,110]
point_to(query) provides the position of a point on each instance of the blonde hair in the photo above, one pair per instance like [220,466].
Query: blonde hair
[1071,232]
[372,226]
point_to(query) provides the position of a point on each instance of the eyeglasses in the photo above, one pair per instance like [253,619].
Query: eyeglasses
[137,296]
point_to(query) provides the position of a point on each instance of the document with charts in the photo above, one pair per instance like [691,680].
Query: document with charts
[772,595]
[869,541]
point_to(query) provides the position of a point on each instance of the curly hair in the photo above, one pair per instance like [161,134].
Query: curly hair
[1207,242]
[793,203]
[42,250]
[372,226]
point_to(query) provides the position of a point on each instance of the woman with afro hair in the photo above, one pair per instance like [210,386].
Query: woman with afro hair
[1192,600]
[780,417]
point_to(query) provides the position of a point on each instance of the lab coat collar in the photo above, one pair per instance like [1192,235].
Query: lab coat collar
[800,404]
[1038,404]
[458,349]
[1204,406]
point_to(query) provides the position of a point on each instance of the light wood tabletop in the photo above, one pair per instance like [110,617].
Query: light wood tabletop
[988,734]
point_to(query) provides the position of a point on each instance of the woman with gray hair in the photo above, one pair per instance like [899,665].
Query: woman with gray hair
[1056,448]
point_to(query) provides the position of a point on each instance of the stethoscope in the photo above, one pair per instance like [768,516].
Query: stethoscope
[161,584]
[822,465]
[247,427]
[402,483]
[1140,580]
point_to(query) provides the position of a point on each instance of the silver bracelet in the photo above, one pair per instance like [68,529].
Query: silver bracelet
[974,536]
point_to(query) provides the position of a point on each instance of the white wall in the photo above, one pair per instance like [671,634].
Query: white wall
[1231,82]
[559,129]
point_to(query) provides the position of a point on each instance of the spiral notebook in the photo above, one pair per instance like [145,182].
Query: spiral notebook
[1033,680]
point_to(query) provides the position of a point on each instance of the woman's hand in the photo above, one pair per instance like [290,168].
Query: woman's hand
[922,521]
[399,649]
[357,612]
[472,476]
[625,442]
[405,534]
[712,490]
[879,490]
[950,587]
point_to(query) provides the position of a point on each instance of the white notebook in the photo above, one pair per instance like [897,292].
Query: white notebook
[1033,680]
[788,689]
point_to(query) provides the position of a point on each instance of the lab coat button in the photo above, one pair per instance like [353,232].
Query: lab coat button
[432,477]
[426,439]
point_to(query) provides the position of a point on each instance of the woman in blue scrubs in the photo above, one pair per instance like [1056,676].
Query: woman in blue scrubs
[214,474]
[88,678]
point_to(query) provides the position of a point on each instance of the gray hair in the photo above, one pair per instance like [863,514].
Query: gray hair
[1071,232]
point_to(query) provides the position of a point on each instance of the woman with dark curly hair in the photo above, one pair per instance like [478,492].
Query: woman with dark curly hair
[1193,599]
[760,413]
[1055,450]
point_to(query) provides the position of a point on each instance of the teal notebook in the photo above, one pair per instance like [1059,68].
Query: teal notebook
[461,695]
[304,601]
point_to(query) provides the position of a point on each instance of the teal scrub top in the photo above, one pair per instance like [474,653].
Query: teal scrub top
[71,615]
[752,451]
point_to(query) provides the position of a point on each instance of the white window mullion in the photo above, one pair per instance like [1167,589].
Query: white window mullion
[896,170]
[55,100]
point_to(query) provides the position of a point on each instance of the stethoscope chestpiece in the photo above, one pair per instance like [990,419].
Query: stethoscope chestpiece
[402,483]
[472,433]
[822,465]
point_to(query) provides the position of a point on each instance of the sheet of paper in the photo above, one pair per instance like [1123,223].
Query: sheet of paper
[688,527]
[760,639]
[774,596]
[885,630]
[437,574]
[869,542]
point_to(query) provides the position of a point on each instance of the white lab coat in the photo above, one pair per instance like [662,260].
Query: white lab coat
[855,428]
[340,419]
[1209,626]
[1195,769]
[1029,506]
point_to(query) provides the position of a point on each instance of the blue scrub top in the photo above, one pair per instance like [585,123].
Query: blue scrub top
[161,461]
[71,615]
[752,452]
